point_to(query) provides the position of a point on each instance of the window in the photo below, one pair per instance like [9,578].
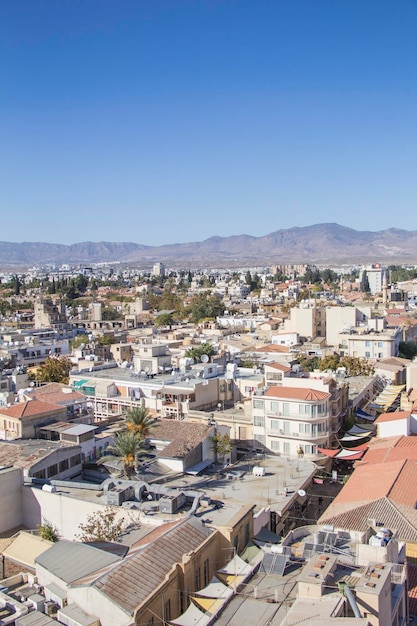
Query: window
[380,344]
[258,404]
[52,470]
[274,424]
[368,355]
[260,438]
[285,408]
[197,579]
[75,460]
[274,445]
[367,344]
[259,421]
[286,426]
[302,409]
[167,611]
[287,447]
[206,572]
[274,406]
[63,465]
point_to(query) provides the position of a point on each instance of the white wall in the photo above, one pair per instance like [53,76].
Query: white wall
[63,511]
[394,428]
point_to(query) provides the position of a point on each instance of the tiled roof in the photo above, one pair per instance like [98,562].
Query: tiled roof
[412,587]
[297,393]
[402,519]
[272,347]
[136,578]
[279,366]
[391,417]
[390,449]
[29,409]
[384,491]
[60,397]
[182,436]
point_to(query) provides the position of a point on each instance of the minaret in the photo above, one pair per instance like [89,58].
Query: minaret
[385,289]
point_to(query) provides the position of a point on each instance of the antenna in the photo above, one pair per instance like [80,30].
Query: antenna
[204,358]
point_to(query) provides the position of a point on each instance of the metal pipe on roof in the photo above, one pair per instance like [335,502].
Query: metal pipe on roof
[352,601]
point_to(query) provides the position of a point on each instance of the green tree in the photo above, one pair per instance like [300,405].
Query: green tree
[110,313]
[48,531]
[364,284]
[102,526]
[164,319]
[128,448]
[56,369]
[221,445]
[78,340]
[196,352]
[140,421]
[205,305]
[407,349]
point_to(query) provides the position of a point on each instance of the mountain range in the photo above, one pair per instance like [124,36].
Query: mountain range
[321,243]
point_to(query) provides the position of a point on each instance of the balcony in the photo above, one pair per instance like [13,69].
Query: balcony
[294,435]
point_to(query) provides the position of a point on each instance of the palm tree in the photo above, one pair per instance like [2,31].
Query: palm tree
[139,421]
[128,448]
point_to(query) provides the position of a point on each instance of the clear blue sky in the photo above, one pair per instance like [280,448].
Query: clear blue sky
[165,121]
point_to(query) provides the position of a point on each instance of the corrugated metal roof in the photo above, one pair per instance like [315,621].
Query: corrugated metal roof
[69,561]
[80,429]
[130,583]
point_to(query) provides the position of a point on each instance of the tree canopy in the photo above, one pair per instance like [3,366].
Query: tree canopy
[102,526]
[56,369]
[139,421]
[196,352]
[128,448]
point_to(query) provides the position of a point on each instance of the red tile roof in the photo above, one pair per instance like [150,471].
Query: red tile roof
[297,393]
[279,366]
[392,417]
[272,347]
[29,409]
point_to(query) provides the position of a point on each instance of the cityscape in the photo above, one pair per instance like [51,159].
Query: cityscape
[198,446]
[208,313]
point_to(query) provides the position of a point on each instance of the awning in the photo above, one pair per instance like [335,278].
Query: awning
[353,454]
[362,415]
[349,455]
[215,589]
[350,438]
[192,617]
[358,430]
[210,605]
[79,383]
[25,548]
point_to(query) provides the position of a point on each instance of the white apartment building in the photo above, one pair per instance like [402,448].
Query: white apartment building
[292,421]
[377,276]
[371,345]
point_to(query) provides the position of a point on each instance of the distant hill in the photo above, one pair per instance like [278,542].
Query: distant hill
[321,243]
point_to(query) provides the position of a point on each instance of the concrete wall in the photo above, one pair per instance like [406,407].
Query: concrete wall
[64,512]
[10,498]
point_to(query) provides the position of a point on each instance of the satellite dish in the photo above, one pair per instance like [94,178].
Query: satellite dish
[301,493]
[204,358]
